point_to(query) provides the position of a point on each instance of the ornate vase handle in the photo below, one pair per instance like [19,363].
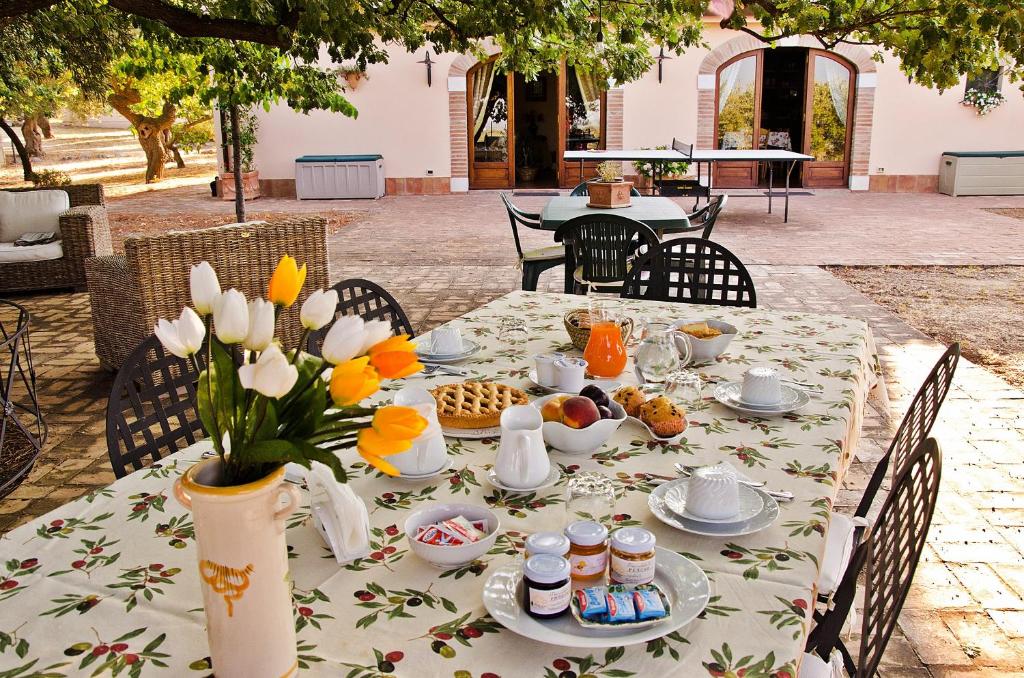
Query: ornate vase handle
[293,503]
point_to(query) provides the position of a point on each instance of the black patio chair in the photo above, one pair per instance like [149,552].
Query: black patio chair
[704,219]
[533,262]
[598,249]
[581,190]
[692,271]
[889,557]
[369,301]
[151,412]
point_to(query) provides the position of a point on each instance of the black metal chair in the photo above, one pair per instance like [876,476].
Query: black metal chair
[598,250]
[533,262]
[704,219]
[151,412]
[693,271]
[23,430]
[889,558]
[581,190]
[369,301]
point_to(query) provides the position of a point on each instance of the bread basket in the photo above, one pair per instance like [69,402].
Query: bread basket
[577,324]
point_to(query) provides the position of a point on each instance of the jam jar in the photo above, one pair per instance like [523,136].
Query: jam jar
[632,556]
[588,549]
[554,543]
[546,587]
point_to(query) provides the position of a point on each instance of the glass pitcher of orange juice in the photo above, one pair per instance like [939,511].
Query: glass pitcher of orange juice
[605,352]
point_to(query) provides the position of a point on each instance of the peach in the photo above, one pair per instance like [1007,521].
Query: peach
[552,409]
[579,412]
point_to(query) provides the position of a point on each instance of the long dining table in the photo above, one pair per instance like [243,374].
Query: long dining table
[111,579]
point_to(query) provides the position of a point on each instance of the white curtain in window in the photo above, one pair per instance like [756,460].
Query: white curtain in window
[590,87]
[483,80]
[838,79]
[727,82]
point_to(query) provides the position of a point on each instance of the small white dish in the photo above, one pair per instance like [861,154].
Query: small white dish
[750,503]
[670,441]
[580,440]
[472,433]
[768,515]
[606,385]
[729,395]
[682,581]
[553,477]
[450,556]
[423,476]
[425,353]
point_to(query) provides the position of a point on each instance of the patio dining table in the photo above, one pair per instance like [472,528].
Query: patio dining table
[111,579]
[661,214]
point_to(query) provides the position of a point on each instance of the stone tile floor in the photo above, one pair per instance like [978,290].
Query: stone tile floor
[445,255]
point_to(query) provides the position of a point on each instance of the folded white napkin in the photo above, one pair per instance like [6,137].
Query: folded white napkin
[338,514]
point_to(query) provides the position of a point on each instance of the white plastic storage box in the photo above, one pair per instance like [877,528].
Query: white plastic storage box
[321,177]
[982,173]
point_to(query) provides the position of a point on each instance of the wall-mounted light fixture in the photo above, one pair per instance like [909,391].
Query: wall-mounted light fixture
[661,59]
[429,64]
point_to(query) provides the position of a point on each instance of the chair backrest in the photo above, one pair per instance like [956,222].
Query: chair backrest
[693,271]
[582,190]
[916,425]
[706,217]
[244,256]
[683,147]
[151,411]
[602,244]
[369,301]
[517,217]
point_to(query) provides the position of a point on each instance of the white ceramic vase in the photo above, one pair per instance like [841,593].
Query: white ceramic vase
[243,569]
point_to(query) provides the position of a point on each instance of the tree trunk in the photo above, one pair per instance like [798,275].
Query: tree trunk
[236,150]
[33,137]
[152,131]
[44,124]
[26,162]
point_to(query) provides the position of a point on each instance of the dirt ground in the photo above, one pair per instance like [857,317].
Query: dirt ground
[979,306]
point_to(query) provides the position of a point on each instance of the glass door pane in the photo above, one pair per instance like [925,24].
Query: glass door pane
[737,99]
[490,115]
[829,110]
[583,111]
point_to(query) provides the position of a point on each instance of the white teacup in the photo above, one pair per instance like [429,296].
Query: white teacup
[761,386]
[545,363]
[713,492]
[446,340]
[570,374]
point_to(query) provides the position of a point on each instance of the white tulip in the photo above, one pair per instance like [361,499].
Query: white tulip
[318,309]
[231,317]
[376,331]
[183,336]
[344,340]
[261,325]
[271,375]
[204,286]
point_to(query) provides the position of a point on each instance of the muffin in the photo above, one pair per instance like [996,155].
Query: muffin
[631,398]
[665,418]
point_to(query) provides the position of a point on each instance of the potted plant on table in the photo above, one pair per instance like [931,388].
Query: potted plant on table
[278,405]
[248,126]
[609,189]
[647,170]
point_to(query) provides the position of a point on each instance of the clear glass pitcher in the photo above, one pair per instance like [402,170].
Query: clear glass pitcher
[658,355]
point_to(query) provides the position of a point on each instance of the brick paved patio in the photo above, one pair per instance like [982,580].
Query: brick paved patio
[445,255]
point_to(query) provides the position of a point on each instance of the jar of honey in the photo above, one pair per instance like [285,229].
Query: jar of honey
[632,556]
[588,549]
[546,588]
[554,543]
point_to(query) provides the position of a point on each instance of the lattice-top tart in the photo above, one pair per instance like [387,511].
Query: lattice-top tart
[475,404]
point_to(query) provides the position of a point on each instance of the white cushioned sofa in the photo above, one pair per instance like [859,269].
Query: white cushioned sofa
[75,213]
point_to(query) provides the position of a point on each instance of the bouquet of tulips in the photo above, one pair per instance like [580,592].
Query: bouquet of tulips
[282,404]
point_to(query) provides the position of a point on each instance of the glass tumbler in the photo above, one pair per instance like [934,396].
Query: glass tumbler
[590,496]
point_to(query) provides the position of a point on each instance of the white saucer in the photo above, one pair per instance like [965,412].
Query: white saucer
[470,347]
[552,479]
[423,476]
[768,515]
[751,503]
[670,441]
[606,385]
[472,433]
[792,399]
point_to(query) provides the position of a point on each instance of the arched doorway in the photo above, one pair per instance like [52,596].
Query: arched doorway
[518,130]
[793,98]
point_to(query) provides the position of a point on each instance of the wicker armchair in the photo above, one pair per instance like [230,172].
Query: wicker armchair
[85,232]
[129,293]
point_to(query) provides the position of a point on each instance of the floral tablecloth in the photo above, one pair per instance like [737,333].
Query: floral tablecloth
[109,584]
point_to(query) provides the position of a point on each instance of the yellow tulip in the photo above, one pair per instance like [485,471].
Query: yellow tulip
[396,422]
[394,357]
[352,381]
[373,447]
[283,288]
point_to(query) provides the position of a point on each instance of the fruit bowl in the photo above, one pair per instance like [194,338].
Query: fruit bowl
[580,440]
[451,556]
[706,350]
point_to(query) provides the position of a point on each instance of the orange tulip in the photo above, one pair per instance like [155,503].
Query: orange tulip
[394,357]
[283,288]
[373,447]
[352,381]
[397,423]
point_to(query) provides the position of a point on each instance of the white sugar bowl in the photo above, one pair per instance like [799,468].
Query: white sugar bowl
[713,492]
[761,386]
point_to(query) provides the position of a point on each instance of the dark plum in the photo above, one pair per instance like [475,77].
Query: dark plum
[595,393]
[606,412]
